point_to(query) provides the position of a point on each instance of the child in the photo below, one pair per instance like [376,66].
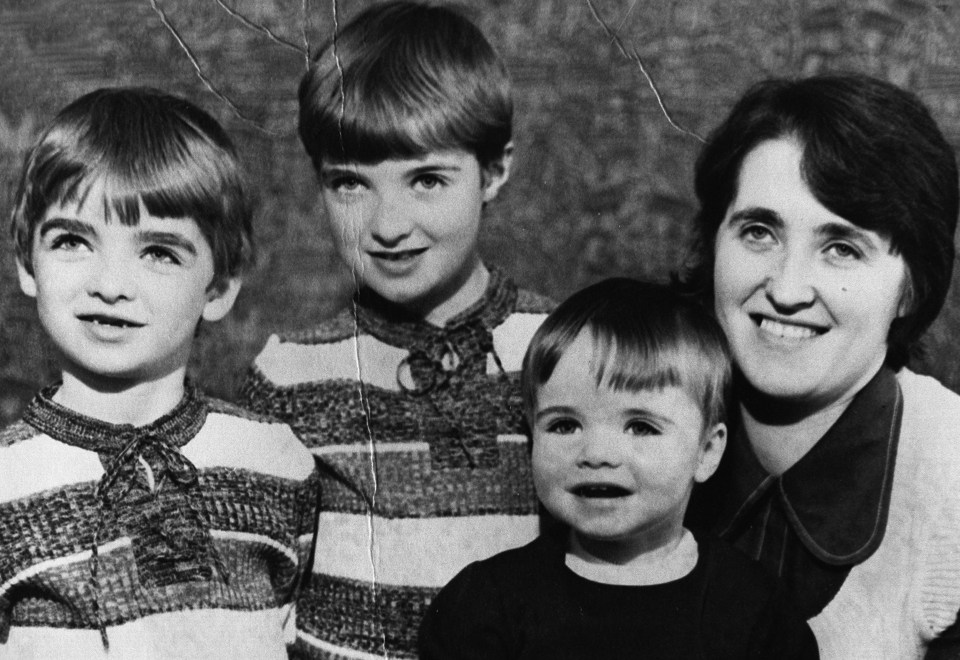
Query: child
[624,387]
[138,518]
[409,398]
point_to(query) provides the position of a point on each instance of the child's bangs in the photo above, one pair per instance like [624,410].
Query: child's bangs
[632,365]
[375,131]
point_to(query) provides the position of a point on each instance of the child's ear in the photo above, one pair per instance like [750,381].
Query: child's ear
[220,298]
[27,282]
[711,451]
[496,173]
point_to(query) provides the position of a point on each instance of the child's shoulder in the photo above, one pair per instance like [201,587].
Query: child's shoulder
[269,443]
[15,432]
[342,325]
[530,302]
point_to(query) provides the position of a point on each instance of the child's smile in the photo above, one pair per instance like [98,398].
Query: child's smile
[617,466]
[120,301]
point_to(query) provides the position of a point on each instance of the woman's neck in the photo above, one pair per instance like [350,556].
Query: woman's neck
[782,433]
[118,401]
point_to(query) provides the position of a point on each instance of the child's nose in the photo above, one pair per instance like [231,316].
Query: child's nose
[598,449]
[392,221]
[110,280]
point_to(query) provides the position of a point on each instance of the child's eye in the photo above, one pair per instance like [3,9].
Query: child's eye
[345,184]
[160,254]
[641,427]
[563,426]
[68,242]
[428,181]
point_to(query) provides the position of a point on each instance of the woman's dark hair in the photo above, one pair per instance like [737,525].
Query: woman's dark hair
[872,154]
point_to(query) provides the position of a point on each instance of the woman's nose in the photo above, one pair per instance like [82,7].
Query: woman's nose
[789,284]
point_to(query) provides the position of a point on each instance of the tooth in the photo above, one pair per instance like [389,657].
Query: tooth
[786,331]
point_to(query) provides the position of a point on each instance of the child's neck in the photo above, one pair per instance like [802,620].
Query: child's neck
[119,401]
[464,293]
[611,562]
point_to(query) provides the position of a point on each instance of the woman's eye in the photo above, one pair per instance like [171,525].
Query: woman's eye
[563,426]
[757,233]
[162,255]
[844,251]
[641,427]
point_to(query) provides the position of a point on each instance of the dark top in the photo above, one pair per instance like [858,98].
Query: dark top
[825,514]
[526,603]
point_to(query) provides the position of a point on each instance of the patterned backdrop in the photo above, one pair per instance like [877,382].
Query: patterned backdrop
[602,179]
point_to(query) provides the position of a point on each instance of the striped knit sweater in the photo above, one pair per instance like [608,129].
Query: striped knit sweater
[179,539]
[423,460]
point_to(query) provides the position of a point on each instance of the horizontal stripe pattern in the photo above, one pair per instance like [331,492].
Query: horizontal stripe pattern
[420,441]
[423,552]
[374,621]
[211,634]
[255,491]
[408,485]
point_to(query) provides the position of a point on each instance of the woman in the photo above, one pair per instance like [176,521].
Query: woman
[827,213]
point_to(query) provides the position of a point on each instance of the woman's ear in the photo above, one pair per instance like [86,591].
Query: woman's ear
[712,444]
[220,298]
[496,173]
[908,298]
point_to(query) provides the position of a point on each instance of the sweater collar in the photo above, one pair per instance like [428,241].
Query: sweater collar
[391,323]
[837,496]
[177,427]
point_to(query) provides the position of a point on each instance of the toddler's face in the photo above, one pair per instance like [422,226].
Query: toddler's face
[122,301]
[618,466]
[408,227]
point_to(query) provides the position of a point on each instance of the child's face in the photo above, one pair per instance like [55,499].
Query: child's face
[618,466]
[122,302]
[408,227]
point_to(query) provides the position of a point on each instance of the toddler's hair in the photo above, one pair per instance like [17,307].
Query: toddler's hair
[403,79]
[645,336]
[144,145]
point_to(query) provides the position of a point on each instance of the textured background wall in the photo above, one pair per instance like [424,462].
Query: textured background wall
[602,183]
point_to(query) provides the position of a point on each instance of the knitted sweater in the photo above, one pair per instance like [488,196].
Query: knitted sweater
[908,591]
[419,436]
[179,539]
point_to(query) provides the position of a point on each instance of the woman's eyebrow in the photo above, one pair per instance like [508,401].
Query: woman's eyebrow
[757,213]
[844,231]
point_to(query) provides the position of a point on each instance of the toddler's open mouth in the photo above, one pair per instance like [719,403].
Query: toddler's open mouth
[112,321]
[600,491]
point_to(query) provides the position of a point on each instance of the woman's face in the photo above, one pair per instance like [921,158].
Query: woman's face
[805,297]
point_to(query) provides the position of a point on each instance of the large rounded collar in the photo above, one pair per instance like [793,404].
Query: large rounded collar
[837,497]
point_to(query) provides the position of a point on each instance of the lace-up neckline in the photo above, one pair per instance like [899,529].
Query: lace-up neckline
[139,463]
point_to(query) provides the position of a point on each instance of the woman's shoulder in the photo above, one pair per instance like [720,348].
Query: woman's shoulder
[926,398]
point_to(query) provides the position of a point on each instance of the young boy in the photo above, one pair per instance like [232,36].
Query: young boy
[624,387]
[409,398]
[138,518]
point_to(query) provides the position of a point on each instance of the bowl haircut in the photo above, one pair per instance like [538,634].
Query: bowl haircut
[403,79]
[145,146]
[872,154]
[645,336]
